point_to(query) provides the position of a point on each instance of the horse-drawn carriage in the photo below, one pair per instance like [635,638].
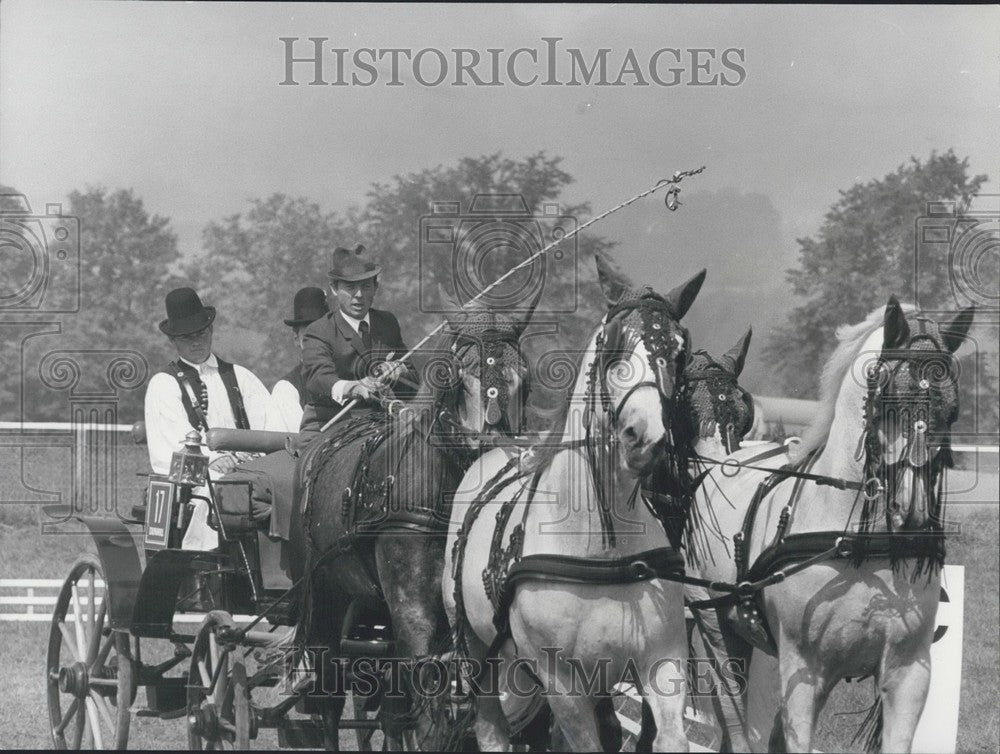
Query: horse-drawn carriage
[111,602]
[574,558]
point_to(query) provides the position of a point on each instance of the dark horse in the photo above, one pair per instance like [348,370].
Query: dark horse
[378,499]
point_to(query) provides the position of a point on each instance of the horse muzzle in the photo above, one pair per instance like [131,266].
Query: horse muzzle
[639,453]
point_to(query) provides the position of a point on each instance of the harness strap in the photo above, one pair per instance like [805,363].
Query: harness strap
[741,540]
[807,549]
[663,562]
[785,471]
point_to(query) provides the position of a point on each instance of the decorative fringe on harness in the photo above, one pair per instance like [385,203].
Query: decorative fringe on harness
[870,730]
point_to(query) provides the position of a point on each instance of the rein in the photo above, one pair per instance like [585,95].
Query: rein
[790,471]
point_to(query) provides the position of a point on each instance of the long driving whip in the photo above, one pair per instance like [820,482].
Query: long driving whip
[670,199]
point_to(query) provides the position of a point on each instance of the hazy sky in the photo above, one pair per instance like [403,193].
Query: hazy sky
[182,102]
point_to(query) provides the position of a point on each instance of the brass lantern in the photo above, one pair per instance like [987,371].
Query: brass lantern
[189,466]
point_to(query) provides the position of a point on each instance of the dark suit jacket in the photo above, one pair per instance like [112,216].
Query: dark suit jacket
[333,351]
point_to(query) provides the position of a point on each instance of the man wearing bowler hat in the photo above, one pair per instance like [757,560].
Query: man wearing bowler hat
[289,393]
[353,352]
[198,390]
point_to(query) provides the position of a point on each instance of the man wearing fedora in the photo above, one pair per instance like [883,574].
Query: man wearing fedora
[198,390]
[288,395]
[352,352]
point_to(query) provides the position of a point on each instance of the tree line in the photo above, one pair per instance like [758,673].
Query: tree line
[252,262]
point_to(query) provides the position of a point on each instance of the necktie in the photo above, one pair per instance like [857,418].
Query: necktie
[365,333]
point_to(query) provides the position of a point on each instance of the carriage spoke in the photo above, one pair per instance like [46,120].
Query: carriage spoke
[68,715]
[95,637]
[221,681]
[91,608]
[204,677]
[104,710]
[213,651]
[80,728]
[88,728]
[70,641]
[106,648]
[95,723]
[78,624]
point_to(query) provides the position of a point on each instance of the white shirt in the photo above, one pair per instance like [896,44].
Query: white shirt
[167,424]
[285,400]
[337,391]
[167,421]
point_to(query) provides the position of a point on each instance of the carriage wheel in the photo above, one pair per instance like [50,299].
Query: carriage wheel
[218,699]
[89,668]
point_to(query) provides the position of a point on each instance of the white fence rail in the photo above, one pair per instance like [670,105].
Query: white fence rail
[32,601]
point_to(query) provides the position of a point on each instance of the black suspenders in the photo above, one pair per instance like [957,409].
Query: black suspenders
[194,397]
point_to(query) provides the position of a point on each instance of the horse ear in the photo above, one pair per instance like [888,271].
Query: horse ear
[681,297]
[896,333]
[737,355]
[613,283]
[954,333]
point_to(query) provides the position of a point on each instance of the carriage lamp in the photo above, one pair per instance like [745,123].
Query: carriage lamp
[189,466]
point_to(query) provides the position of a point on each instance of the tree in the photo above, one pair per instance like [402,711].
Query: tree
[390,222]
[255,261]
[864,251]
[253,264]
[125,257]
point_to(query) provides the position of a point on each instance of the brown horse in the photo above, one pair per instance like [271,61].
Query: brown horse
[378,503]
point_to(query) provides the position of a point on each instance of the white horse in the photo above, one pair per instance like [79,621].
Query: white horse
[580,497]
[854,535]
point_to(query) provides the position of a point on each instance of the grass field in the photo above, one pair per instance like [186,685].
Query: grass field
[27,552]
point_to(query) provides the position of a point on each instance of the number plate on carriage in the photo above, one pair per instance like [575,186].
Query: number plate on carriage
[160,502]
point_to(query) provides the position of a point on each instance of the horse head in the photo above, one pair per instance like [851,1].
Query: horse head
[911,401]
[478,378]
[714,405]
[639,364]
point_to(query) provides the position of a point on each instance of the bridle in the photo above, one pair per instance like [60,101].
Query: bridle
[664,344]
[911,415]
[657,340]
[494,385]
[720,384]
